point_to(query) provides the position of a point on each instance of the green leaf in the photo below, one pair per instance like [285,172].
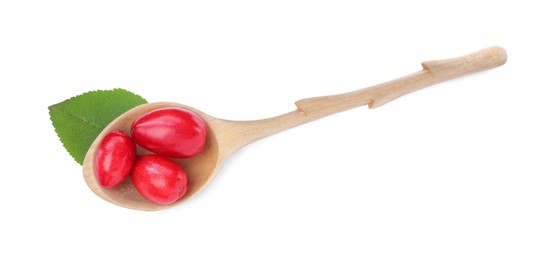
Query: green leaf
[80,119]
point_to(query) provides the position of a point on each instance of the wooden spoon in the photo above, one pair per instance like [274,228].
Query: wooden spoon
[226,137]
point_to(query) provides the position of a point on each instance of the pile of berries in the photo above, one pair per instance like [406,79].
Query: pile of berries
[167,133]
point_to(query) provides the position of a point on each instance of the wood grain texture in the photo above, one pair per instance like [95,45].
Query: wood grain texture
[225,137]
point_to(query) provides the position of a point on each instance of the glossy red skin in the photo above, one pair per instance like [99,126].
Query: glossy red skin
[170,132]
[114,159]
[159,179]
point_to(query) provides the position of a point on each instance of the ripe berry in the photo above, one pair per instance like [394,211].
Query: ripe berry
[159,179]
[170,132]
[114,159]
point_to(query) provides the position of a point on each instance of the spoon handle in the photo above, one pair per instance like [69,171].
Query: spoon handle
[310,109]
[433,72]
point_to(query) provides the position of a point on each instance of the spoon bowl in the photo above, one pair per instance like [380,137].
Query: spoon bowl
[199,168]
[224,137]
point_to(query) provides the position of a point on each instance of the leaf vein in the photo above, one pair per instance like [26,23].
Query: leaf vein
[79,118]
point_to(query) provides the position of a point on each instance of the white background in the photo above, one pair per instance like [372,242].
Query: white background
[462,170]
